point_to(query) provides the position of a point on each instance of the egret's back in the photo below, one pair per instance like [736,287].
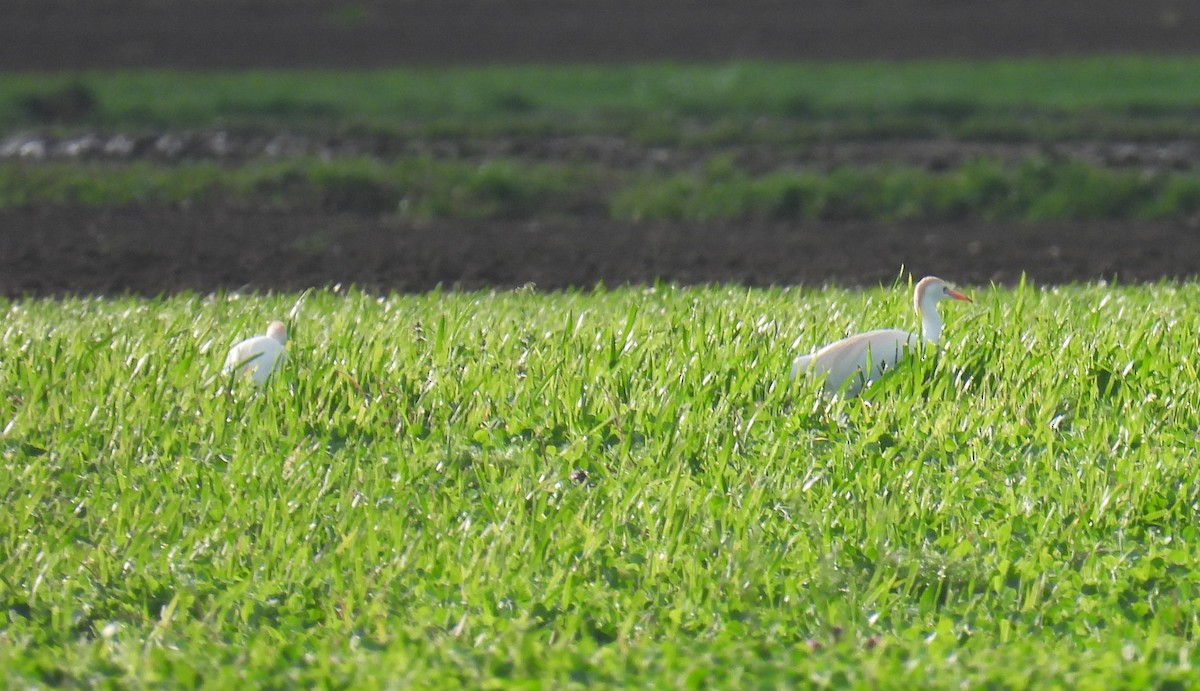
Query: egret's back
[846,365]
[258,355]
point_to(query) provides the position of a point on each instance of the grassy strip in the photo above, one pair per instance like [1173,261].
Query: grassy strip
[613,488]
[1130,97]
[426,188]
[1035,190]
[418,187]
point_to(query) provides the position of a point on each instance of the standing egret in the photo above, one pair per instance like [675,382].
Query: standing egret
[851,362]
[259,355]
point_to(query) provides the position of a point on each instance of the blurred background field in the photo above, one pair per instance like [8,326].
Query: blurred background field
[875,136]
[675,143]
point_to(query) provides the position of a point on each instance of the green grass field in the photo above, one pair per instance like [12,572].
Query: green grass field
[616,487]
[651,102]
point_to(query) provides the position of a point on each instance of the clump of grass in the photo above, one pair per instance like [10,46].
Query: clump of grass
[22,184]
[614,487]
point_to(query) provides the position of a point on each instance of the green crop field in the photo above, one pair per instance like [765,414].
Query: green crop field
[649,101]
[617,487]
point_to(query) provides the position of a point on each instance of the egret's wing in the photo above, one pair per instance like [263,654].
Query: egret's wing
[802,364]
[851,362]
[237,358]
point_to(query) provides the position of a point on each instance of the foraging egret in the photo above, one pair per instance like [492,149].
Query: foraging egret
[259,355]
[851,362]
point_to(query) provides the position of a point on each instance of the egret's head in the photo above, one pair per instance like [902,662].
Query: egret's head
[932,289]
[277,331]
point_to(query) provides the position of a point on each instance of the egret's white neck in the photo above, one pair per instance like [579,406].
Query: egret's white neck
[931,321]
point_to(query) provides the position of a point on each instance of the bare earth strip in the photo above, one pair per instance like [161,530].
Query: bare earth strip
[223,34]
[56,251]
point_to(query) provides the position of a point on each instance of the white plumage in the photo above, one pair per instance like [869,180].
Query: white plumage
[259,355]
[850,363]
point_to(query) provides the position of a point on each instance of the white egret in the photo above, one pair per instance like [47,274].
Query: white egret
[848,364]
[259,355]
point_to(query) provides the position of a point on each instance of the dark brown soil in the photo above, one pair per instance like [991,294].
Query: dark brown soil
[150,250]
[98,34]
[147,251]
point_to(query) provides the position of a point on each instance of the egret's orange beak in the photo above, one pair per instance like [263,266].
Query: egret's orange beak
[957,295]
